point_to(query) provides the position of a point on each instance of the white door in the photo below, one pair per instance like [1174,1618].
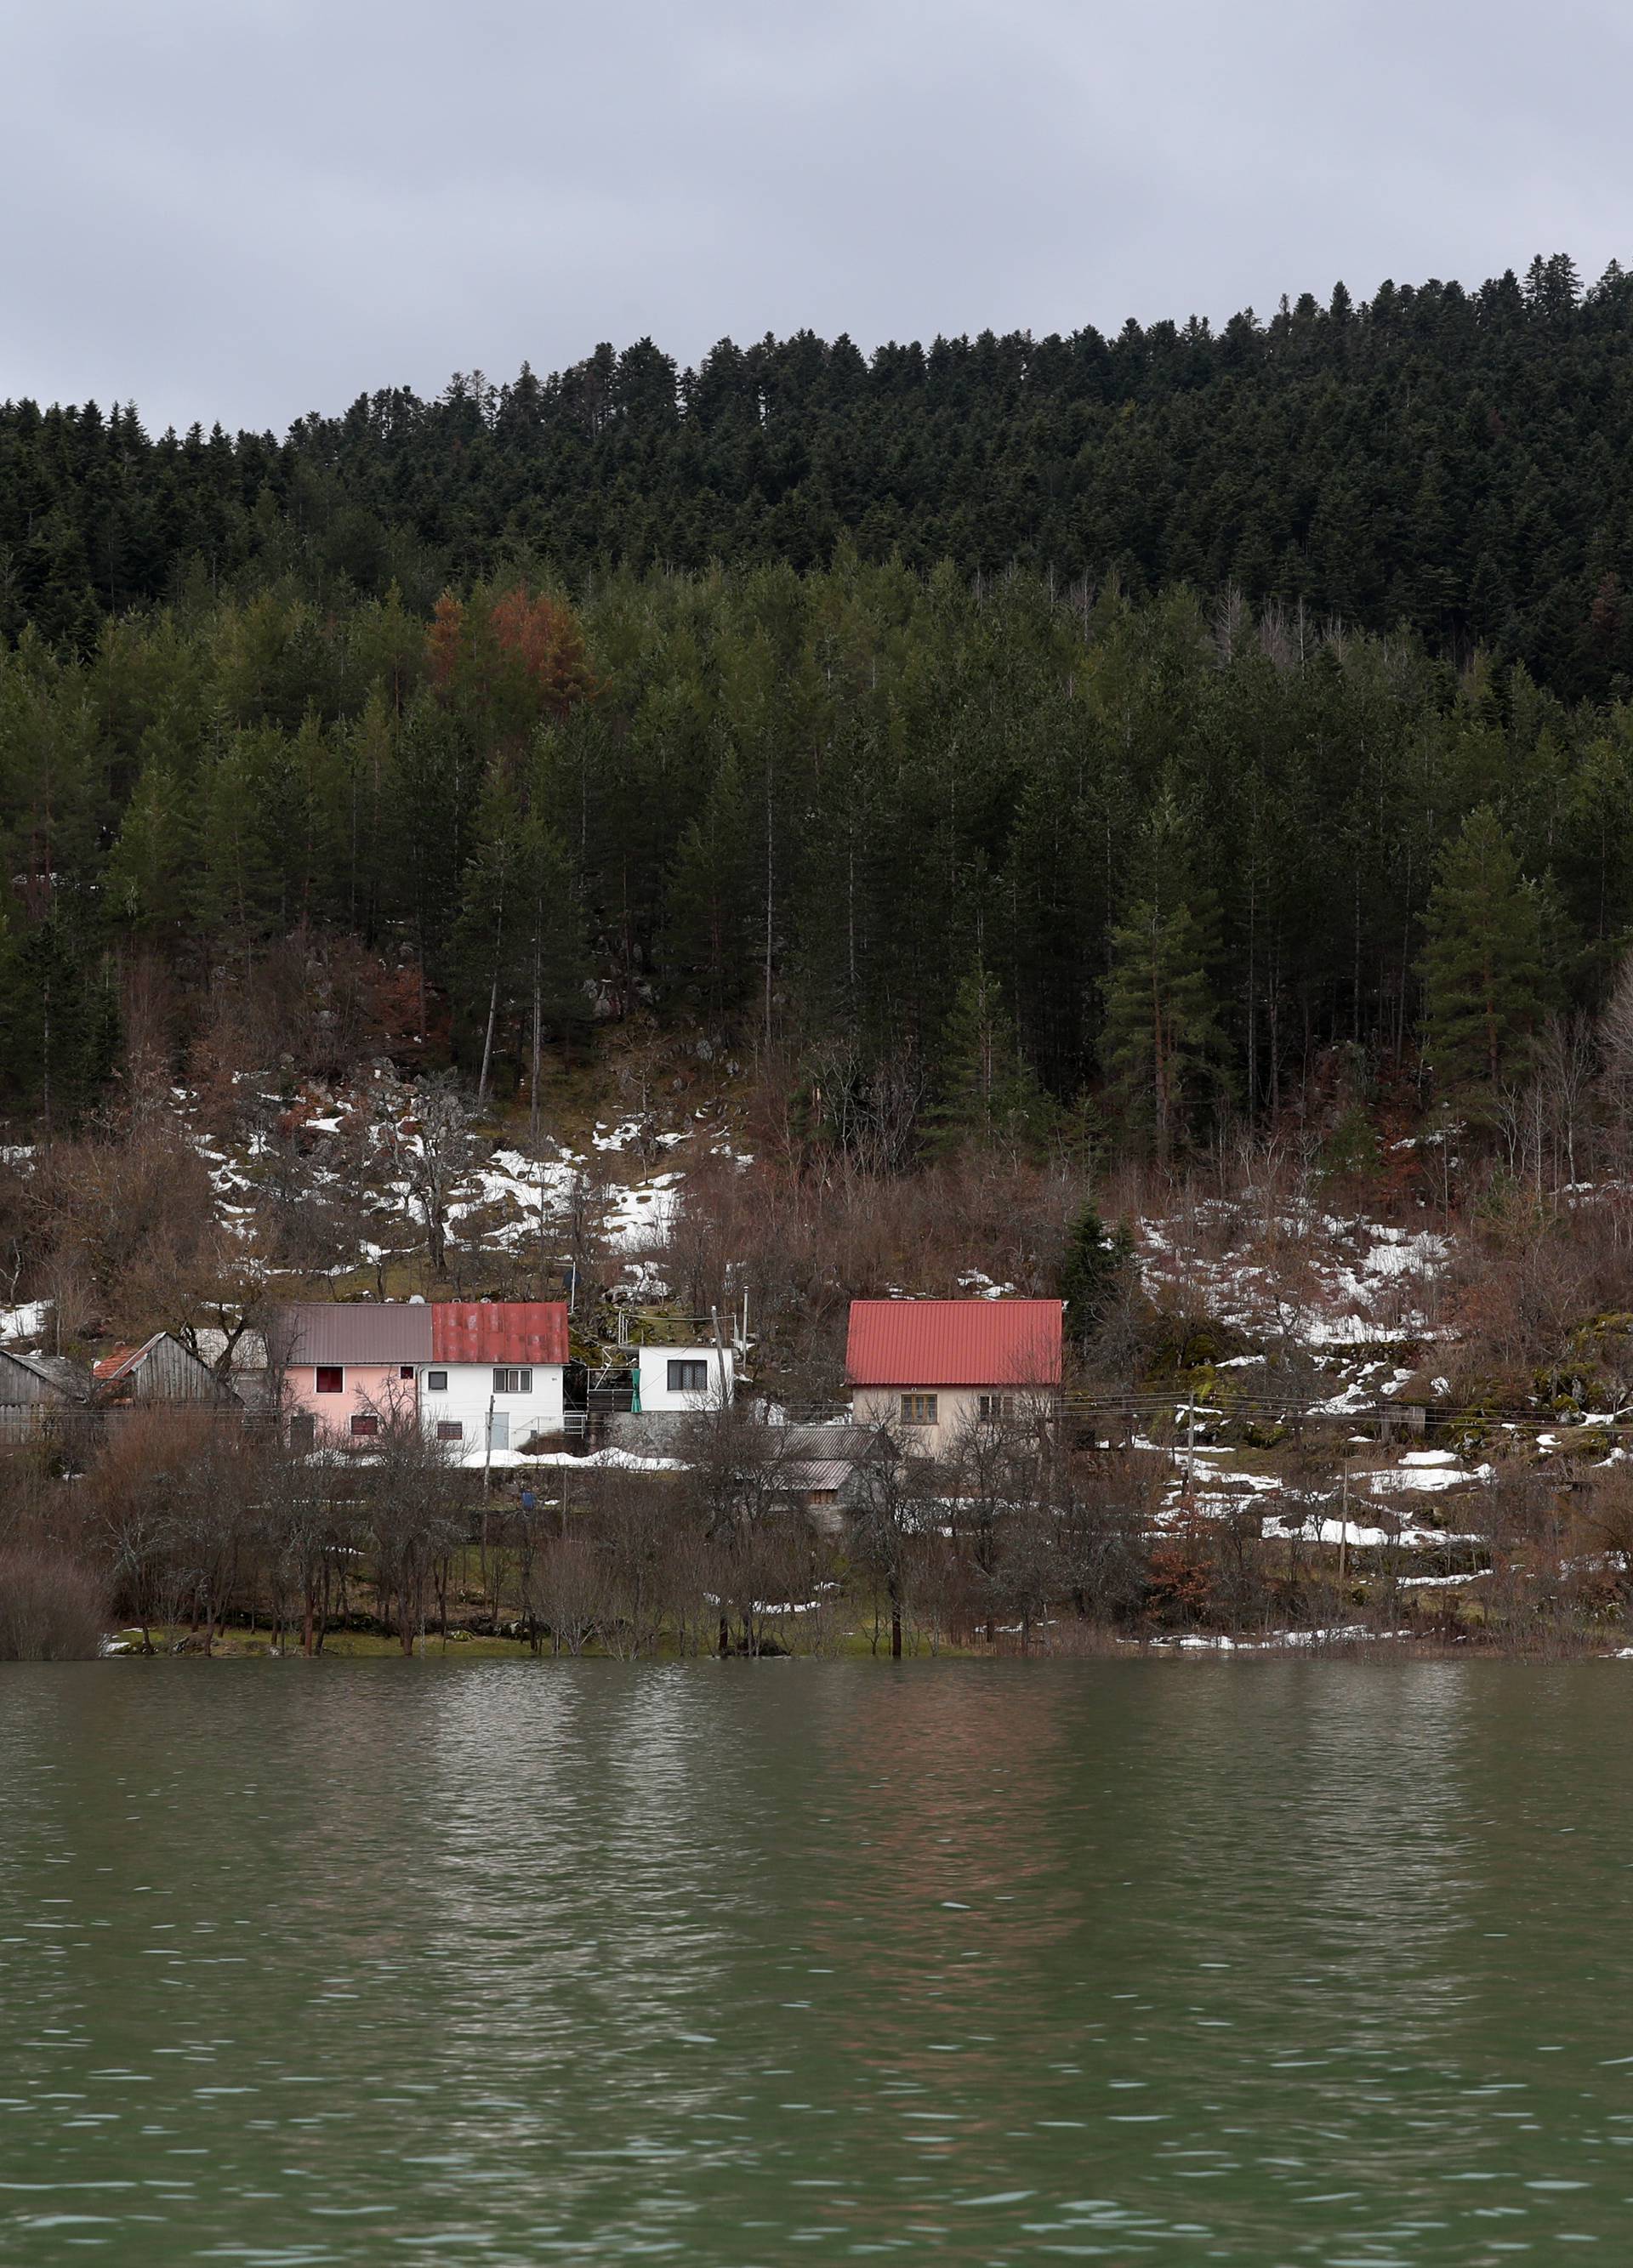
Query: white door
[498,1429]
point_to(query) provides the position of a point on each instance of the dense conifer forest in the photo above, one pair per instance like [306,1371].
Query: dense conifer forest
[1054,738]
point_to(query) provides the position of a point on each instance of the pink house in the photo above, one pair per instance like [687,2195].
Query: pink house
[346,1367]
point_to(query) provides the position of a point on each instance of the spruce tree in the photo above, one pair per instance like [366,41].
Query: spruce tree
[1097,1263]
[1485,985]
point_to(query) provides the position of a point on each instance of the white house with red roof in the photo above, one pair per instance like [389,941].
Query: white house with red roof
[932,1368]
[494,1380]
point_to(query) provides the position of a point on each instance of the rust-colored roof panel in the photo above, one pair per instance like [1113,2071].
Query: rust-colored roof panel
[351,1330]
[126,1358]
[954,1342]
[498,1330]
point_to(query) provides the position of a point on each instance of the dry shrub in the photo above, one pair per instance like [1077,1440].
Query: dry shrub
[52,1608]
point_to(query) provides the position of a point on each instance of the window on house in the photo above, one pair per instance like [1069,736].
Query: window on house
[919,1409]
[990,1407]
[302,1432]
[331,1380]
[405,1370]
[689,1378]
[436,1381]
[512,1382]
[364,1427]
[449,1429]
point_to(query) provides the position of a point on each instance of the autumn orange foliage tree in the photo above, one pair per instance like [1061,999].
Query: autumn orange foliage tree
[513,658]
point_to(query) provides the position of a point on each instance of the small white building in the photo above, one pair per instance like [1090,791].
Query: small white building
[494,1380]
[669,1381]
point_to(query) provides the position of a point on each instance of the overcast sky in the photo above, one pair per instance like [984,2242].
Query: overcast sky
[250,208]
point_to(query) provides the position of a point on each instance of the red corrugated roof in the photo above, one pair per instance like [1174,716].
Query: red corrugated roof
[498,1330]
[954,1342]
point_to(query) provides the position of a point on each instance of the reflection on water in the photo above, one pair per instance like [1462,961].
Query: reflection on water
[395,1961]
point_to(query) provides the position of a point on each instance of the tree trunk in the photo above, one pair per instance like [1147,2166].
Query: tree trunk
[770,901]
[533,1076]
[487,1041]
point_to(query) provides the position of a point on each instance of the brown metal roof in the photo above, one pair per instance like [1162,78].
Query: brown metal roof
[1013,1343]
[498,1330]
[342,1331]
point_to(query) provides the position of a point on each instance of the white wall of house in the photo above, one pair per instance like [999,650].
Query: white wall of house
[682,1378]
[935,1418]
[459,1393]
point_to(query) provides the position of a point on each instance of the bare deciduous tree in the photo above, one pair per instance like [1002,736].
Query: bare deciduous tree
[432,1148]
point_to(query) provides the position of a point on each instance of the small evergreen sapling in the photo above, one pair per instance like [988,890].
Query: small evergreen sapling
[1097,1266]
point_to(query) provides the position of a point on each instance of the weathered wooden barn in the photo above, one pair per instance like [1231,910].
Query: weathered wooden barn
[160,1370]
[35,1391]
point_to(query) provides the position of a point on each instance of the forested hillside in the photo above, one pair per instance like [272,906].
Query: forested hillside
[969,853]
[1069,740]
[1456,460]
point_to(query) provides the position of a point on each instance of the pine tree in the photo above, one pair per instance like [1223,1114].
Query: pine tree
[64,1023]
[236,886]
[1162,1044]
[13,1076]
[146,880]
[1486,985]
[551,929]
[431,796]
[710,901]
[519,943]
[486,937]
[986,1091]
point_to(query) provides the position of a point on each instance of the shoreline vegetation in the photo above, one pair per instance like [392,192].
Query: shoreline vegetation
[181,1533]
[1356,1642]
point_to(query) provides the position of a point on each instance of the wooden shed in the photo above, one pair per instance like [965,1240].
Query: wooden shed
[160,1370]
[33,1390]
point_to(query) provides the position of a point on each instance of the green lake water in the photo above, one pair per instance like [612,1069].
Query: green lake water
[1265,1963]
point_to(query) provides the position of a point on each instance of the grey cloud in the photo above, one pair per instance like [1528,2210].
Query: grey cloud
[255,209]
